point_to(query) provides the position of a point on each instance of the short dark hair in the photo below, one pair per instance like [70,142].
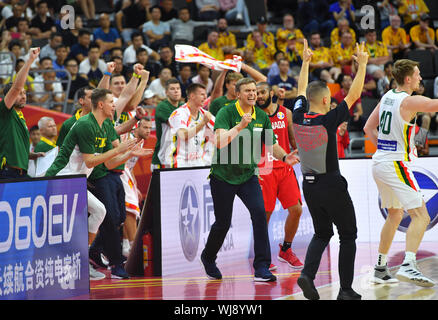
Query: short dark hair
[193,87]
[81,91]
[315,88]
[99,95]
[14,43]
[171,81]
[264,83]
[93,45]
[83,32]
[155,7]
[140,50]
[33,128]
[45,58]
[60,47]
[55,34]
[135,34]
[39,3]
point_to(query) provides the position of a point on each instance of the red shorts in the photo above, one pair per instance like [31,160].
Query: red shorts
[281,183]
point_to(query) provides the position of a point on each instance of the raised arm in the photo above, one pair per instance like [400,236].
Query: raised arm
[138,95]
[129,91]
[218,86]
[357,86]
[21,79]
[104,83]
[253,73]
[303,79]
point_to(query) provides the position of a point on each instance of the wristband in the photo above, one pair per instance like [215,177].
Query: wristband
[136,76]
[284,157]
[106,73]
[136,118]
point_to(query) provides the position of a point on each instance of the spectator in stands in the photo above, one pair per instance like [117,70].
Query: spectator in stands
[77,82]
[203,77]
[211,48]
[116,52]
[208,10]
[184,78]
[411,10]
[152,66]
[166,59]
[35,137]
[131,18]
[45,63]
[88,8]
[226,39]
[274,70]
[168,12]
[321,65]
[70,36]
[11,23]
[387,8]
[106,37]
[183,27]
[48,131]
[369,86]
[343,139]
[313,16]
[343,25]
[236,10]
[28,85]
[120,67]
[383,83]
[49,49]
[293,53]
[286,82]
[249,59]
[157,31]
[422,35]
[230,95]
[79,50]
[356,121]
[92,68]
[58,64]
[378,54]
[342,52]
[129,55]
[42,25]
[158,85]
[263,52]
[284,31]
[267,36]
[395,38]
[343,9]
[23,34]
[48,90]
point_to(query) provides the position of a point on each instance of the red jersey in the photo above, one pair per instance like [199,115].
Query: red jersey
[279,124]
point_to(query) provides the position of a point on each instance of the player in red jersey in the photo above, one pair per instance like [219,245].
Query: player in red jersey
[277,178]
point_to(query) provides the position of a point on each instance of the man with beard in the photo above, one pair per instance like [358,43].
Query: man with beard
[14,135]
[277,179]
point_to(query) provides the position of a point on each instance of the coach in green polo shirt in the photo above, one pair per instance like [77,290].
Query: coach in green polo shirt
[48,131]
[14,135]
[240,128]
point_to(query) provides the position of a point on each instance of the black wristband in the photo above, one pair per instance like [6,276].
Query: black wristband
[284,157]
[136,118]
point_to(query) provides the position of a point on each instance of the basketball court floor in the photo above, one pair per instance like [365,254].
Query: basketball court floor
[238,284]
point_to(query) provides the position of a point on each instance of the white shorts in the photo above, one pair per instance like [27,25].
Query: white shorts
[397,185]
[131,193]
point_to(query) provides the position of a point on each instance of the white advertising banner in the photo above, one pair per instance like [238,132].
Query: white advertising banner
[364,194]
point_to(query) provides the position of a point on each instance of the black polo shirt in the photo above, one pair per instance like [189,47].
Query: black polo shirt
[315,135]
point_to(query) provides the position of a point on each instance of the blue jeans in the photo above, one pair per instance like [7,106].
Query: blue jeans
[239,8]
[223,195]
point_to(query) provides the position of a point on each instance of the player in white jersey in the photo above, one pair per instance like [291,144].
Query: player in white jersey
[188,125]
[142,131]
[395,118]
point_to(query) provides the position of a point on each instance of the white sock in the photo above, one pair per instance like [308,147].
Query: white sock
[381,260]
[409,257]
[125,243]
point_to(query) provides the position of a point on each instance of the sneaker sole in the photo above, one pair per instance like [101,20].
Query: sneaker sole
[272,279]
[113,276]
[308,291]
[96,279]
[426,284]
[290,265]
[381,281]
[203,268]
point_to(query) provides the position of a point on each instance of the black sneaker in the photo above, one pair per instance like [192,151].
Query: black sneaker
[210,269]
[348,294]
[118,272]
[96,259]
[309,290]
[264,275]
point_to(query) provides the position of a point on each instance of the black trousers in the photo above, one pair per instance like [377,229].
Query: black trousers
[250,193]
[329,203]
[109,190]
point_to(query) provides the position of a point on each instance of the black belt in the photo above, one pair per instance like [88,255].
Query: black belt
[19,171]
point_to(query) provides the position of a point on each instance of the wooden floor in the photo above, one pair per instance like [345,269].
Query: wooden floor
[238,284]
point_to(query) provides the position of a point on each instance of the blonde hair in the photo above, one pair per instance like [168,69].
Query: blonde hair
[403,68]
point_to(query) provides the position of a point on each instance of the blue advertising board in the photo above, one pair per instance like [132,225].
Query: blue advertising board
[44,238]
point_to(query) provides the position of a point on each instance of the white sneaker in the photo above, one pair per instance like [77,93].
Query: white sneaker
[96,275]
[409,272]
[382,275]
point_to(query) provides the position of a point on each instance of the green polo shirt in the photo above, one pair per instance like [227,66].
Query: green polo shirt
[44,145]
[66,126]
[14,138]
[86,136]
[162,113]
[237,162]
[218,103]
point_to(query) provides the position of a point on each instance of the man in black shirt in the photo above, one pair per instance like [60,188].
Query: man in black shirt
[41,26]
[132,18]
[315,134]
